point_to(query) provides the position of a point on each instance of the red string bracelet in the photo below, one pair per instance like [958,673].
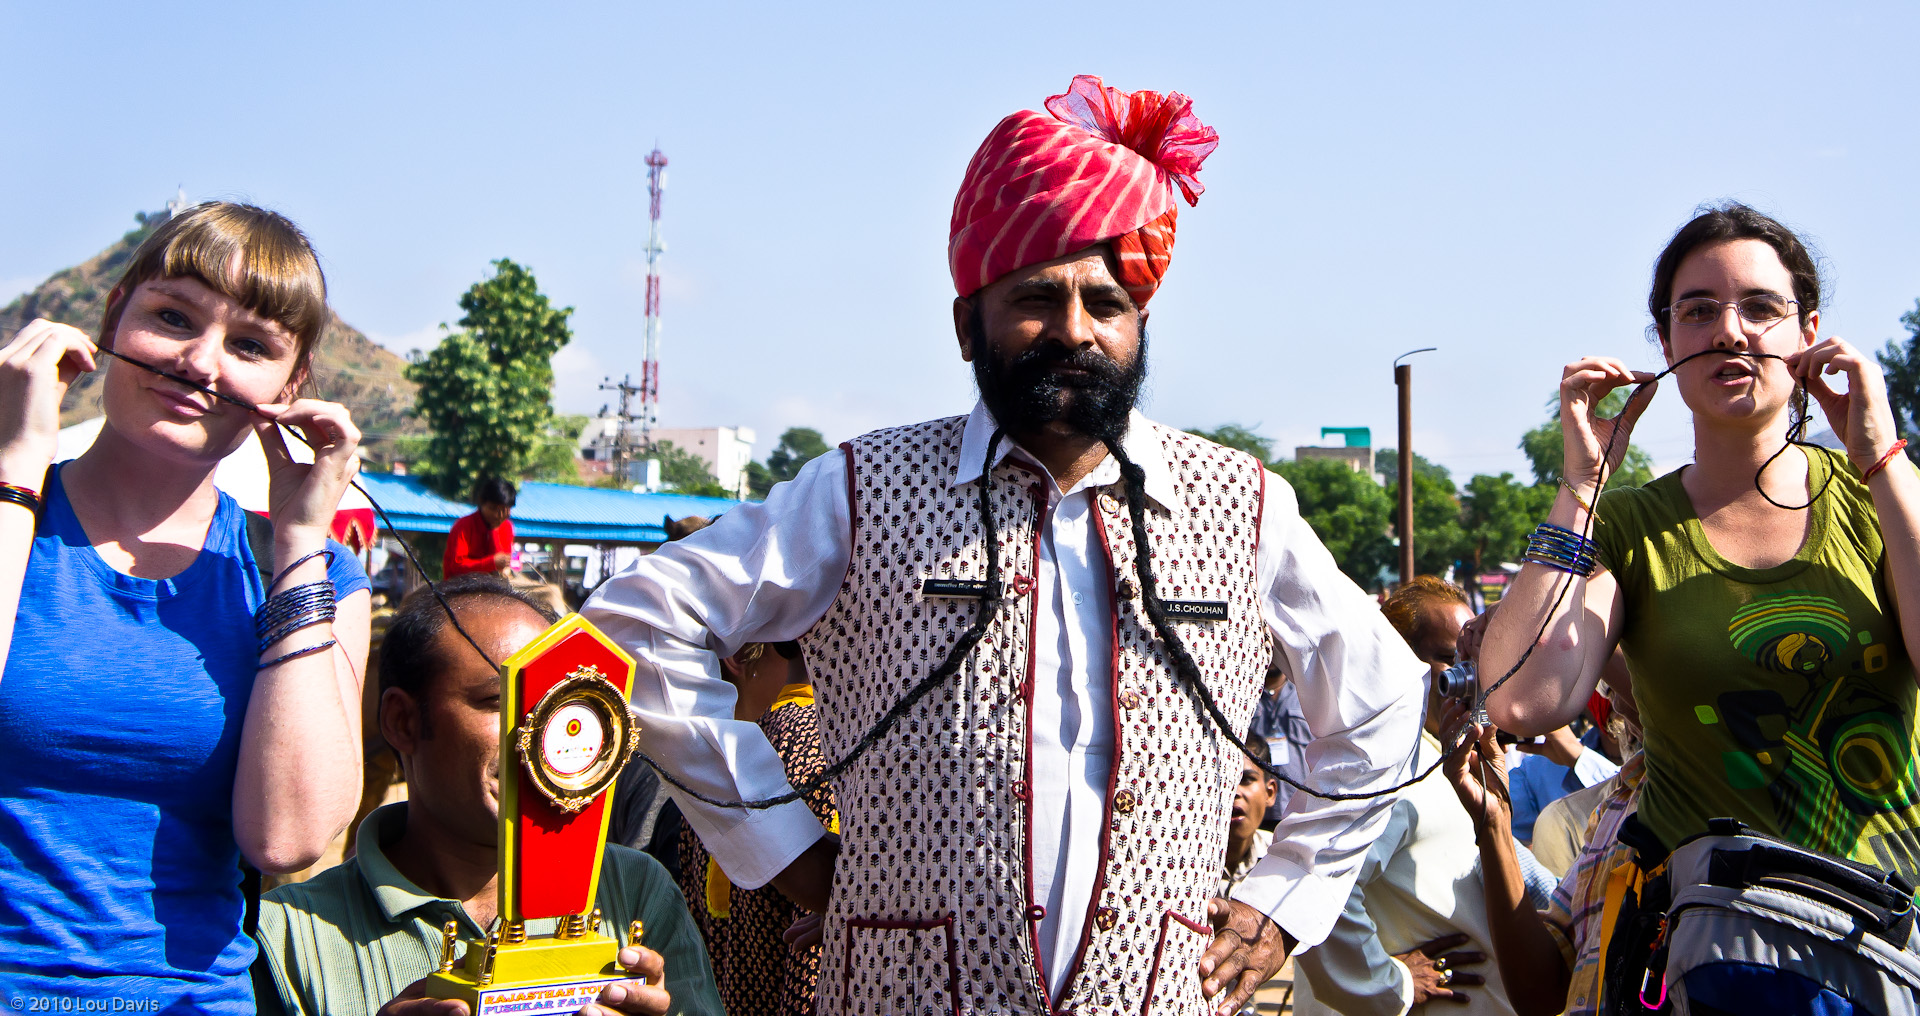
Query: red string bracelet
[1884,459]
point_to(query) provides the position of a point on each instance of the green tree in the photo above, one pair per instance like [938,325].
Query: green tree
[1386,462]
[1439,539]
[1497,513]
[1901,362]
[1545,447]
[759,480]
[486,391]
[555,460]
[1347,511]
[798,446]
[683,472]
[1234,435]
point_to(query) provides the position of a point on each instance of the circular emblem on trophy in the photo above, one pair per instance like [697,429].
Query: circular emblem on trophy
[575,741]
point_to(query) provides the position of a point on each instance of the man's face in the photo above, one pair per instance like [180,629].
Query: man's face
[1437,644]
[1058,345]
[452,750]
[1252,798]
[1437,647]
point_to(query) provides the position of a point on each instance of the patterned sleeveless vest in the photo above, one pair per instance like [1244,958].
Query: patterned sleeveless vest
[933,908]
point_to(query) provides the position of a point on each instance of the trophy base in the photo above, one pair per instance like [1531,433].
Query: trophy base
[541,975]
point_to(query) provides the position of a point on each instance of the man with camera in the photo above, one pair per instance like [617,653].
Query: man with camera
[1417,914]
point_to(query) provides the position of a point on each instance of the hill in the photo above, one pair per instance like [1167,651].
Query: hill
[348,368]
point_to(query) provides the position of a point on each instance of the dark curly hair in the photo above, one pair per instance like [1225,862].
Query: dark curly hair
[1732,221]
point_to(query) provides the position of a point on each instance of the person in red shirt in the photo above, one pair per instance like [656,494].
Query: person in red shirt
[483,541]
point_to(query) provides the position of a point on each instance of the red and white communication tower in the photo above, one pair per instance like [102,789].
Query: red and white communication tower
[650,371]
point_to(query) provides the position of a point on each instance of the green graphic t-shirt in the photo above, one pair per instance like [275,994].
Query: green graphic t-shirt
[1781,696]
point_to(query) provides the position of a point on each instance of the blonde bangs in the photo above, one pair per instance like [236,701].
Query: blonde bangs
[257,258]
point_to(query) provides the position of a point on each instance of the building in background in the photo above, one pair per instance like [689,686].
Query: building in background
[725,450]
[1356,449]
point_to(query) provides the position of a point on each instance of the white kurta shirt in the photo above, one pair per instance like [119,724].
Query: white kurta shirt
[766,572]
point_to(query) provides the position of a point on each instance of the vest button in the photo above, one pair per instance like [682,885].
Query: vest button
[1109,504]
[1020,789]
[1130,700]
[1124,801]
[1127,589]
[1105,918]
[1036,913]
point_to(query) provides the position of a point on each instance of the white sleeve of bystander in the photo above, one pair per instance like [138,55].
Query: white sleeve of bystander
[762,573]
[1361,690]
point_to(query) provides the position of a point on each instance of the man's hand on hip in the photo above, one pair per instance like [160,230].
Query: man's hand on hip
[1433,968]
[1248,947]
[808,881]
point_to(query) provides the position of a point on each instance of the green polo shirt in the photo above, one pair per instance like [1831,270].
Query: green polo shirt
[348,940]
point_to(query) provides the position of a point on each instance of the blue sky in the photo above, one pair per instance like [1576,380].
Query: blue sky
[1492,180]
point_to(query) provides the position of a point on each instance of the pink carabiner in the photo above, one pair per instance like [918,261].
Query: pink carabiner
[1648,976]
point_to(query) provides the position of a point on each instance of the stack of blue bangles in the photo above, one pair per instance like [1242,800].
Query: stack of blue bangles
[293,609]
[1562,549]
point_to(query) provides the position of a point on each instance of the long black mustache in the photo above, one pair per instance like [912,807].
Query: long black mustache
[1026,393]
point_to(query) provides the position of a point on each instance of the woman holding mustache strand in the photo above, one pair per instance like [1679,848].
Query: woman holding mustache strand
[1767,640]
[170,710]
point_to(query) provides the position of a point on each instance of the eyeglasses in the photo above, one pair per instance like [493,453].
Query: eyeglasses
[1761,311]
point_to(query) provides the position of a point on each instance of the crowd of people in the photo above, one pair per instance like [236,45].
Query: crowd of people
[1111,731]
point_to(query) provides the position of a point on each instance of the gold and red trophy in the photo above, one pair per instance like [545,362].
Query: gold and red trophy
[559,757]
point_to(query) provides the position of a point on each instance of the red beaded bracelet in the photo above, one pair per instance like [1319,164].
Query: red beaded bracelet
[1898,446]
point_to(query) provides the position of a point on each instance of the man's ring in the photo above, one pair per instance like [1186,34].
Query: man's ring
[1446,977]
[1440,964]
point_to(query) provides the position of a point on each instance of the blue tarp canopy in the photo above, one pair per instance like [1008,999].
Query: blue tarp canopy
[546,511]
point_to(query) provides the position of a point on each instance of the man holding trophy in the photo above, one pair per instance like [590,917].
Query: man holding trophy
[382,931]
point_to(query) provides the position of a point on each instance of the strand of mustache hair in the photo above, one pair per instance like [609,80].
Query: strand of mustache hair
[1185,668]
[947,668]
[412,558]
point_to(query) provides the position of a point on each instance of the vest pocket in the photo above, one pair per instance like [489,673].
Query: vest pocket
[895,966]
[1173,986]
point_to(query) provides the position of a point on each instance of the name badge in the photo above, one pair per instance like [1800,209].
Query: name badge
[953,587]
[1196,610]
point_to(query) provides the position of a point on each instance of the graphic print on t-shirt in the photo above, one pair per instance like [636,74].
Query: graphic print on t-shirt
[1831,751]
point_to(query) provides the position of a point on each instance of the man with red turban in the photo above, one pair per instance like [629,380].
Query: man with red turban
[1040,630]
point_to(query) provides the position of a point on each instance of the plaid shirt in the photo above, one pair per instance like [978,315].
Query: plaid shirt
[1573,917]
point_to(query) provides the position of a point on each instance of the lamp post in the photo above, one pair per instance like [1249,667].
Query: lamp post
[1403,379]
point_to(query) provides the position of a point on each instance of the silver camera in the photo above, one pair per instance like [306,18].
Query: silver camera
[1459,681]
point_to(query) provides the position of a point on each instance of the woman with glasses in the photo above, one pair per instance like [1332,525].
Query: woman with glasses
[1764,595]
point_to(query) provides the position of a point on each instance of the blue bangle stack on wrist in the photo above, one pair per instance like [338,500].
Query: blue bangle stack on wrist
[294,609]
[1561,549]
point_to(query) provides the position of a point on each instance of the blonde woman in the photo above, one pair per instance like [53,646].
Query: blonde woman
[171,706]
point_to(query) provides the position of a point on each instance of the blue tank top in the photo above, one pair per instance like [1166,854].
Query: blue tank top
[122,703]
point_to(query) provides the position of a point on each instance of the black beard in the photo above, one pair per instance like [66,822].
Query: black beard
[1025,394]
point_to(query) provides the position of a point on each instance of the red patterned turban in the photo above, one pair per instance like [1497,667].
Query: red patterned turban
[1098,166]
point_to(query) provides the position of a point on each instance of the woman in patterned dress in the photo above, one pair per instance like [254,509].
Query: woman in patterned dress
[745,928]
